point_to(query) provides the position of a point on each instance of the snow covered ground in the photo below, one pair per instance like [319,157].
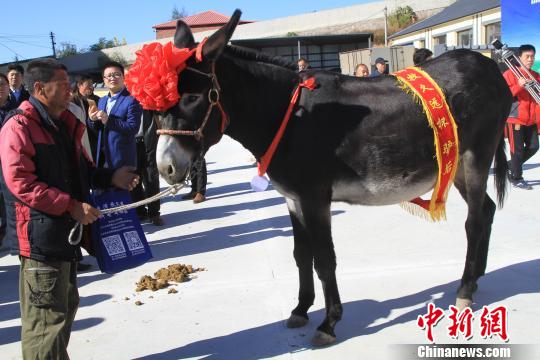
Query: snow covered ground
[390,265]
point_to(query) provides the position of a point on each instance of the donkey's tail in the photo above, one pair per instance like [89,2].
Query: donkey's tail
[501,172]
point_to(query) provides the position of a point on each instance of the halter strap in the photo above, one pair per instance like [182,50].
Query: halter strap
[213,98]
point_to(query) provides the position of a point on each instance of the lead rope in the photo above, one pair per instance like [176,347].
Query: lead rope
[75,235]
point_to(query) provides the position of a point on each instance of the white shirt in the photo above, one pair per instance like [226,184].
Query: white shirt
[79,114]
[111,100]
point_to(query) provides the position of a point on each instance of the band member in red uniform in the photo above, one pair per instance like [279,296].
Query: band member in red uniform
[523,119]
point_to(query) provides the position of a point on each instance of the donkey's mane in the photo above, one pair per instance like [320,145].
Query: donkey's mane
[250,54]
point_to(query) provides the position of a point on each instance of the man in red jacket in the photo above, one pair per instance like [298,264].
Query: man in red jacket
[45,175]
[523,119]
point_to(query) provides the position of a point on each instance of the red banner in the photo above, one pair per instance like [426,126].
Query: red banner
[424,90]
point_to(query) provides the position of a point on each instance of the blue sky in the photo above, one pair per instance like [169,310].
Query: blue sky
[521,22]
[26,24]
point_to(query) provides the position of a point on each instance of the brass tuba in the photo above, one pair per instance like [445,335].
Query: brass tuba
[519,70]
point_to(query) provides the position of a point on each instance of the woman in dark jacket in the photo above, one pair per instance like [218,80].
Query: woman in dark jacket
[6,102]
[6,105]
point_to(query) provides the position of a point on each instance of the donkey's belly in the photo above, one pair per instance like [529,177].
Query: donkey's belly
[378,190]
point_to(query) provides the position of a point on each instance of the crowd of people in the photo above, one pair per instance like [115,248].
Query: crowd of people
[58,140]
[45,178]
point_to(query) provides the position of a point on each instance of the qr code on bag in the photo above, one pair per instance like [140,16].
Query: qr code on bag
[114,245]
[133,240]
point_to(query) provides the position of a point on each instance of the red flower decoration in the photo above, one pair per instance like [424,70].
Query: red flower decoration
[153,77]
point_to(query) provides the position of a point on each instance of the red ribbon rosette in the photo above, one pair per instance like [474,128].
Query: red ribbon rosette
[153,77]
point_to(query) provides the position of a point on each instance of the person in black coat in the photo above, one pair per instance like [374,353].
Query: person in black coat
[6,105]
[146,140]
[198,177]
[83,96]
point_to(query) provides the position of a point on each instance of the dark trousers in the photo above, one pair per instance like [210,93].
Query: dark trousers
[523,145]
[149,184]
[198,176]
[9,244]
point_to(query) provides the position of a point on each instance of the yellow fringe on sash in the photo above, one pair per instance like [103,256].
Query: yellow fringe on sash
[417,210]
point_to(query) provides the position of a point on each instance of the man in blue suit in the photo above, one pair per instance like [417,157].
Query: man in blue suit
[118,117]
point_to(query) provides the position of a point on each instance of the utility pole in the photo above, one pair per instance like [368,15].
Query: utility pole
[53,43]
[385,26]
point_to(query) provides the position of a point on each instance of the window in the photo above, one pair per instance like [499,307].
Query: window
[493,31]
[464,38]
[439,40]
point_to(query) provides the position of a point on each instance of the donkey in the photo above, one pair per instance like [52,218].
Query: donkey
[360,141]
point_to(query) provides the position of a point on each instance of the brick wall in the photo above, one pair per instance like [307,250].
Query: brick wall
[160,34]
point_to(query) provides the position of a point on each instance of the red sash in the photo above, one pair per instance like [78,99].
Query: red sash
[424,90]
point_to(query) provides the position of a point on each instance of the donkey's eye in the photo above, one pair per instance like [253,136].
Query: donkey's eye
[193,98]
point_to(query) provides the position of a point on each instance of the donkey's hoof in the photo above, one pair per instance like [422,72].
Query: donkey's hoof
[322,339]
[463,303]
[296,321]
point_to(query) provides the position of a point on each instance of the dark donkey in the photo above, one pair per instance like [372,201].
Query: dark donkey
[361,141]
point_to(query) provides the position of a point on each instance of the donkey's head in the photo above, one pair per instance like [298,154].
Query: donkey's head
[198,119]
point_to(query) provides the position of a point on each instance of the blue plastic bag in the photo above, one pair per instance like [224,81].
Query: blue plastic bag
[118,239]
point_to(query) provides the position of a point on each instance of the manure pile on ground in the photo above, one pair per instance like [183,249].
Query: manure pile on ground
[177,273]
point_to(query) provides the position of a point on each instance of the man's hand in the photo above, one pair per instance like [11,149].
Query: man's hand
[522,81]
[98,115]
[125,178]
[84,213]
[92,106]
[103,117]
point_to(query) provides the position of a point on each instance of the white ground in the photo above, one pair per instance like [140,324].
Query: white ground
[390,264]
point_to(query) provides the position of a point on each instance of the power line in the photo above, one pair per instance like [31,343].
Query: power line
[13,51]
[25,39]
[27,43]
[69,38]
[22,36]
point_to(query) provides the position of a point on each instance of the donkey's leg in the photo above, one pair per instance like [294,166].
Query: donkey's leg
[304,260]
[489,214]
[471,182]
[316,217]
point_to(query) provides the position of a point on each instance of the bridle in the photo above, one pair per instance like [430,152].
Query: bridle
[213,99]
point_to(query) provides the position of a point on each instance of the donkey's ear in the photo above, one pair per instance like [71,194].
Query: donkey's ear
[217,42]
[183,37]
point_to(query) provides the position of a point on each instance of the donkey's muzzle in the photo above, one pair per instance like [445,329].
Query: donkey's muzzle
[173,160]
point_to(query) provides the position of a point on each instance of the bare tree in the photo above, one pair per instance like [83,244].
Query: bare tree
[178,14]
[67,49]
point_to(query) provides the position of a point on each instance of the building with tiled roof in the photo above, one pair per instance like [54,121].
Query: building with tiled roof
[208,20]
[465,23]
[290,35]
